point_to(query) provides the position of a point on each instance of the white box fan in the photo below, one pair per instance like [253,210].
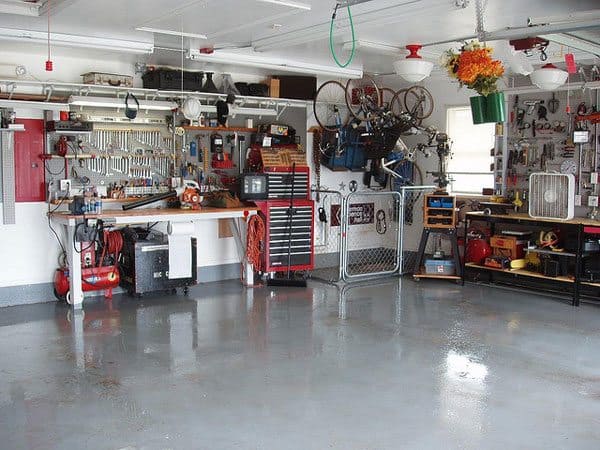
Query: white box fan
[552,196]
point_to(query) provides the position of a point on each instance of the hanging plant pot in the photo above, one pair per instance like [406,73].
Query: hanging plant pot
[478,109]
[495,110]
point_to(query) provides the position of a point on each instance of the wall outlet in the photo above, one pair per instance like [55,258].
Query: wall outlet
[577,200]
[594,178]
[65,185]
[593,200]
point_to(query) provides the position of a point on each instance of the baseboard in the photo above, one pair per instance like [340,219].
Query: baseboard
[44,292]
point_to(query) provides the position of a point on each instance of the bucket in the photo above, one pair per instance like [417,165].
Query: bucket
[478,109]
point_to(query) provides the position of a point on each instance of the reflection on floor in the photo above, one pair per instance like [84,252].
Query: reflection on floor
[387,365]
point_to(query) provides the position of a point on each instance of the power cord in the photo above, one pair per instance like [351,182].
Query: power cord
[331,43]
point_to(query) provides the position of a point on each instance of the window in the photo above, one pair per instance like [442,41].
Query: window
[471,144]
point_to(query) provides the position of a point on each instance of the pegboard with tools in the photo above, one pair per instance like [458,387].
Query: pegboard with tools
[545,135]
[116,160]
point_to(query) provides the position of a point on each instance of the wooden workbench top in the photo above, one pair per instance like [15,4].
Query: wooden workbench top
[524,216]
[113,213]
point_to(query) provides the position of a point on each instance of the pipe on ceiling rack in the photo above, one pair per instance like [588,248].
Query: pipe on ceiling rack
[87,89]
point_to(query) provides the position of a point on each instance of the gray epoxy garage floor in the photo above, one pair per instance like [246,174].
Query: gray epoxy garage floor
[389,366]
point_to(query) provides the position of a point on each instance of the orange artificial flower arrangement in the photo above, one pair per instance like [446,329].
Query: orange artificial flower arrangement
[474,67]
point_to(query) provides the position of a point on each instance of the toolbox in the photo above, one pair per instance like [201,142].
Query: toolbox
[508,246]
[440,267]
[170,79]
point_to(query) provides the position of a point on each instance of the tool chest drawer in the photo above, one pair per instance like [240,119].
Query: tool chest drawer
[287,232]
[280,183]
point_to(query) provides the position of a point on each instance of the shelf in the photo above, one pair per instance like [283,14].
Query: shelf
[550,252]
[232,129]
[432,275]
[521,272]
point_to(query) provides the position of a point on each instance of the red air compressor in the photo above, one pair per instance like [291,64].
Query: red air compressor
[94,275]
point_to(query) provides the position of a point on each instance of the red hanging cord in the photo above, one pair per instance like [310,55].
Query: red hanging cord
[49,64]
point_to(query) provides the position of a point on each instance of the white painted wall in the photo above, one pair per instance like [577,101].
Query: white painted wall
[29,249]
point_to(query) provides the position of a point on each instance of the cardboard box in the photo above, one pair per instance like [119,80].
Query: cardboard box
[508,246]
[274,87]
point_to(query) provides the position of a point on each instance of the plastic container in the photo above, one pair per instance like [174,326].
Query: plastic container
[435,203]
[440,267]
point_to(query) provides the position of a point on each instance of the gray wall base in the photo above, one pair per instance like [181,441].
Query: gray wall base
[44,292]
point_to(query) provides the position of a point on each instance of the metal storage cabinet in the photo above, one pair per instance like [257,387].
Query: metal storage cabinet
[144,265]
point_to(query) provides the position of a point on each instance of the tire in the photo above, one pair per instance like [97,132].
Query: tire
[397,102]
[328,103]
[362,97]
[418,102]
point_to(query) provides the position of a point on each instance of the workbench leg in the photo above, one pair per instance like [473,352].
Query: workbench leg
[238,229]
[455,250]
[578,264]
[74,260]
[422,247]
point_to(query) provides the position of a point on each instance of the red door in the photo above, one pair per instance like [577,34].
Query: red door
[29,168]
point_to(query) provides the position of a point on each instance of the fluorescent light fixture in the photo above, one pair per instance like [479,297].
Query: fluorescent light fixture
[263,62]
[69,40]
[289,3]
[49,106]
[375,47]
[172,32]
[565,18]
[235,110]
[111,102]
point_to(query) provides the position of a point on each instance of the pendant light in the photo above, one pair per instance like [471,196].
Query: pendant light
[413,68]
[549,77]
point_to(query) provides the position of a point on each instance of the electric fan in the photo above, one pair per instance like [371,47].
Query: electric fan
[552,196]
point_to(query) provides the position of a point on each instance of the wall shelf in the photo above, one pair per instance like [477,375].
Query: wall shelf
[231,129]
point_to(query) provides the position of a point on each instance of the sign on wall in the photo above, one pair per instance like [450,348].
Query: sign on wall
[358,214]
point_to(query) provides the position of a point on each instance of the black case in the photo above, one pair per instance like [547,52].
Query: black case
[170,79]
[144,264]
[297,87]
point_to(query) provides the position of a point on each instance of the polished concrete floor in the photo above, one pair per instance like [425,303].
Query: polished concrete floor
[394,365]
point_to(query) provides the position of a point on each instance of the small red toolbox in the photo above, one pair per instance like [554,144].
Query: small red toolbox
[508,246]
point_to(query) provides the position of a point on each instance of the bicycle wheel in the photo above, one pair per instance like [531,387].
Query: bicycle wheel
[387,95]
[418,102]
[363,98]
[397,102]
[329,106]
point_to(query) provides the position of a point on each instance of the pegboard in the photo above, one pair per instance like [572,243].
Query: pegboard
[542,141]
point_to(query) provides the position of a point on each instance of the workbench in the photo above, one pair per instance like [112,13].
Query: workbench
[237,217]
[571,284]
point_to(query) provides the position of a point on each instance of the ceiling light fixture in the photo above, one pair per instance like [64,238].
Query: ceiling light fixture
[262,62]
[69,40]
[549,77]
[289,3]
[171,32]
[111,102]
[413,68]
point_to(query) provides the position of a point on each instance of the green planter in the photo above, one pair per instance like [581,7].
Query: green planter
[488,109]
[478,109]
[494,107]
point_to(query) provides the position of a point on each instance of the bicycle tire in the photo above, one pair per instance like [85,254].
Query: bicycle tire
[418,101]
[367,92]
[326,102]
[387,95]
[397,103]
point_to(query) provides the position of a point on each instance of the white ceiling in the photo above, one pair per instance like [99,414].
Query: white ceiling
[281,30]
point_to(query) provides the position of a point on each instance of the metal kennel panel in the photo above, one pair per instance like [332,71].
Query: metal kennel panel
[371,230]
[329,207]
[411,225]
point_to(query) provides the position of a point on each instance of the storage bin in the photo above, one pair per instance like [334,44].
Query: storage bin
[440,267]
[169,79]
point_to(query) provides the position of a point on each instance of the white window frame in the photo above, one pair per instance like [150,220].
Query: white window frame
[484,170]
